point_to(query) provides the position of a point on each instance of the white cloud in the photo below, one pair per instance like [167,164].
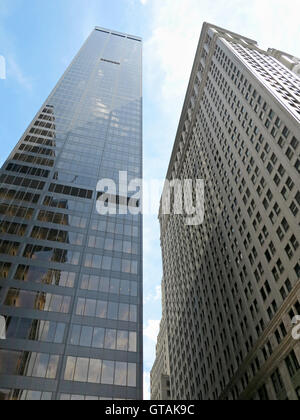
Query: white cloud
[2,67]
[157,295]
[150,232]
[170,50]
[89,18]
[144,1]
[154,297]
[151,330]
[14,71]
[9,52]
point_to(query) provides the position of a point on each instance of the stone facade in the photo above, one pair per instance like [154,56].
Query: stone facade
[232,284]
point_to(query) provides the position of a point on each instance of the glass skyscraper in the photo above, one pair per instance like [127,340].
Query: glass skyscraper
[71,279]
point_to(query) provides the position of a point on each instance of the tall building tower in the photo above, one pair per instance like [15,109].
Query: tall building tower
[232,286]
[70,278]
[160,373]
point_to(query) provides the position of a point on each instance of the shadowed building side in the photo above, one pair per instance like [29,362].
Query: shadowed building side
[232,285]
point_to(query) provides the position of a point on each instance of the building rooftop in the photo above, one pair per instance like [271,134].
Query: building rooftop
[121,34]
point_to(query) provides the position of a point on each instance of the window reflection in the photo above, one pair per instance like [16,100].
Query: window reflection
[52,367]
[110,310]
[4,394]
[133,313]
[120,374]
[93,283]
[100,371]
[109,339]
[59,334]
[122,340]
[40,366]
[81,370]
[37,300]
[90,307]
[9,362]
[64,208]
[24,395]
[108,373]
[105,285]
[132,341]
[98,338]
[95,371]
[46,254]
[114,286]
[75,335]
[35,330]
[101,311]
[24,328]
[131,374]
[70,368]
[126,266]
[125,288]
[106,263]
[86,336]
[124,312]
[80,306]
[37,365]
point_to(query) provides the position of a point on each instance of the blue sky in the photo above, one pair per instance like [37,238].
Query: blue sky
[39,39]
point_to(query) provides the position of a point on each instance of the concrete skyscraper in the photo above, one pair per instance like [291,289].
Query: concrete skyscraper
[231,285]
[71,279]
[160,373]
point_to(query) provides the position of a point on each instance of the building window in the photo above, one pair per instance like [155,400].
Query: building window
[263,393]
[292,364]
[286,132]
[277,382]
[294,143]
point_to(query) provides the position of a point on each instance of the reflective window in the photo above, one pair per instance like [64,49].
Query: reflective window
[100,371]
[101,311]
[104,284]
[108,369]
[120,374]
[75,335]
[86,336]
[98,338]
[131,381]
[40,301]
[24,395]
[103,338]
[110,339]
[38,365]
[70,368]
[53,237]
[45,276]
[81,370]
[94,376]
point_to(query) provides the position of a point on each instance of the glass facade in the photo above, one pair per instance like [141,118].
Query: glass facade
[71,279]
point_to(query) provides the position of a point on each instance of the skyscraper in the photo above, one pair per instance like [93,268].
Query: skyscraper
[231,284]
[160,373]
[70,278]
